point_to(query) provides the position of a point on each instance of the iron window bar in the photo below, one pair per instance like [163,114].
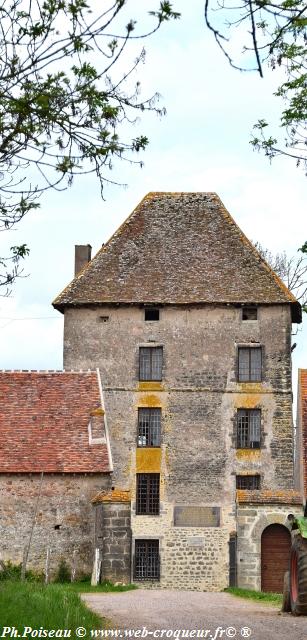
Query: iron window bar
[248,428]
[149,427]
[146,560]
[248,482]
[147,493]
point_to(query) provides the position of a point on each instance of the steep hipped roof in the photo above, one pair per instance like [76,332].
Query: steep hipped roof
[177,248]
[44,419]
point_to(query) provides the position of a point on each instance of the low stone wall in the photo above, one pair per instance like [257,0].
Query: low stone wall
[64,521]
[113,539]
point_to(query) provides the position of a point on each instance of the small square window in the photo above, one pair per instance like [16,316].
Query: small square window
[150,363]
[249,313]
[146,560]
[249,364]
[248,482]
[152,314]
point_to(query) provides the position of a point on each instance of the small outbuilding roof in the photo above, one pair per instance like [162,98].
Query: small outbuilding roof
[45,422]
[178,248]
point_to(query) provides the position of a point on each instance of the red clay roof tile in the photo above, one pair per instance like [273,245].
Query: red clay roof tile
[44,419]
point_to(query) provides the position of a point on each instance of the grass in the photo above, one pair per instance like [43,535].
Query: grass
[104,587]
[260,596]
[51,607]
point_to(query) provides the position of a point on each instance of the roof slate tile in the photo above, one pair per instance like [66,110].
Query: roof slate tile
[177,248]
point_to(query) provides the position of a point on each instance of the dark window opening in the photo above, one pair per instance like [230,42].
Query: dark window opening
[232,560]
[146,560]
[147,493]
[248,482]
[152,314]
[104,318]
[249,313]
[248,428]
[249,364]
[149,427]
[151,359]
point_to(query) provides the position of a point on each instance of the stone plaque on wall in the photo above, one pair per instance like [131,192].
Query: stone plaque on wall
[196,516]
[195,542]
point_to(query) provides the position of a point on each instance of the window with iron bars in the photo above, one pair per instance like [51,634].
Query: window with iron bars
[151,359]
[248,428]
[147,494]
[146,560]
[249,364]
[248,482]
[149,427]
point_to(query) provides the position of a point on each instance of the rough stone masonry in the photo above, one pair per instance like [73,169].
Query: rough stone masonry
[184,256]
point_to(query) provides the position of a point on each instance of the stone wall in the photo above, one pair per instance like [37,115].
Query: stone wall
[195,558]
[113,539]
[199,396]
[199,393]
[64,523]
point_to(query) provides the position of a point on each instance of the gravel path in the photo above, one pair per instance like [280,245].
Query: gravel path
[221,614]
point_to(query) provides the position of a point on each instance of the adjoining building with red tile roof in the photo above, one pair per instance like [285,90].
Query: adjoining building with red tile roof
[301,433]
[46,420]
[54,455]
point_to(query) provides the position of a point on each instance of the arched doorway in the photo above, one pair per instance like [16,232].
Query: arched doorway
[275,550]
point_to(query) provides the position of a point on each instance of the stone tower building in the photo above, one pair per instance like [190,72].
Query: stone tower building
[191,332]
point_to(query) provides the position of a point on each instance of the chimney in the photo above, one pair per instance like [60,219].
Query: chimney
[83,253]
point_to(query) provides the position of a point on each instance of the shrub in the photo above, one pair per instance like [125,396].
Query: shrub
[63,573]
[10,571]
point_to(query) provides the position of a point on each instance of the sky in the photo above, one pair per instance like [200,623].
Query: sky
[202,144]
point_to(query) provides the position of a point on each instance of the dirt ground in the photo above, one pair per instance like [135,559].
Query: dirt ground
[210,615]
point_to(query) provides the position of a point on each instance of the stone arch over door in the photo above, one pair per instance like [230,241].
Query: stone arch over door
[275,549]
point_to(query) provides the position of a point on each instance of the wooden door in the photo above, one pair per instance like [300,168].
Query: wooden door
[275,551]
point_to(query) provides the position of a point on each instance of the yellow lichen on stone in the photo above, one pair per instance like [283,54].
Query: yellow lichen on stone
[250,387]
[115,495]
[149,400]
[150,385]
[247,400]
[248,454]
[269,496]
[148,460]
[98,412]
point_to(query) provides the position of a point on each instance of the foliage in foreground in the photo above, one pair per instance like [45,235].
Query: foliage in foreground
[274,35]
[51,607]
[271,598]
[67,98]
[12,573]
